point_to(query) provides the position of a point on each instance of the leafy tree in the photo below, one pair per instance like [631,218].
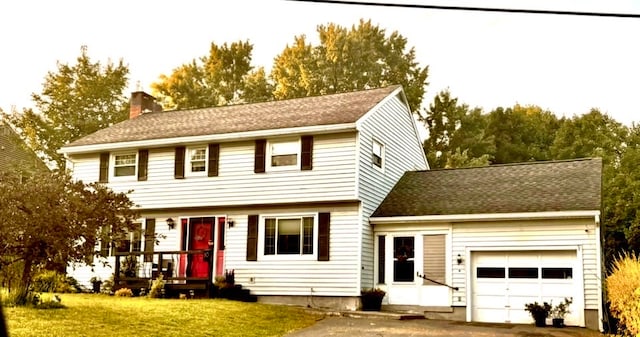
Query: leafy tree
[621,198]
[224,76]
[50,217]
[456,134]
[346,60]
[522,134]
[592,134]
[75,101]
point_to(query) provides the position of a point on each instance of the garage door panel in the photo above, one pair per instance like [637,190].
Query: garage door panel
[489,301]
[488,315]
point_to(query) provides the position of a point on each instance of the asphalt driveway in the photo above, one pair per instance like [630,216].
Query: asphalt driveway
[371,326]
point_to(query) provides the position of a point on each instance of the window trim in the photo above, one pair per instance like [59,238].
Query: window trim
[287,257]
[374,155]
[268,155]
[112,166]
[187,161]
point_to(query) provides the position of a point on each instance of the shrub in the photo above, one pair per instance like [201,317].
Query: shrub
[50,281]
[124,292]
[107,286]
[623,292]
[156,287]
[562,310]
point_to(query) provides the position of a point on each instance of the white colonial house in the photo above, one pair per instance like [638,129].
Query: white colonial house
[289,195]
[282,190]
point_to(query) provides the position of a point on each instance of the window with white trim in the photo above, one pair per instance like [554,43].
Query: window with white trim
[197,160]
[283,154]
[124,164]
[377,153]
[289,235]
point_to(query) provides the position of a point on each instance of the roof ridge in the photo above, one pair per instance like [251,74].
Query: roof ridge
[537,162]
[354,91]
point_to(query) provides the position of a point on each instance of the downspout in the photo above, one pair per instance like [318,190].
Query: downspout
[599,272]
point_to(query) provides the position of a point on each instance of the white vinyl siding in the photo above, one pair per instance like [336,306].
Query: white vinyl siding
[527,235]
[332,177]
[295,275]
[392,125]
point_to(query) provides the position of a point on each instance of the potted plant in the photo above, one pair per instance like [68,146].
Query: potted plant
[560,311]
[372,299]
[95,283]
[539,312]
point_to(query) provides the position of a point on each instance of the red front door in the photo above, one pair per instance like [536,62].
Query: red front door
[200,237]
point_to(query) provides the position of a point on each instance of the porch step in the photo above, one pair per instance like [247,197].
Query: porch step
[236,293]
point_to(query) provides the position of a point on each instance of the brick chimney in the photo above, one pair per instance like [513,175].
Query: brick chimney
[141,103]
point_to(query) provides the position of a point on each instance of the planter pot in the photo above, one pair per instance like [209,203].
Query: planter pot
[96,286]
[541,321]
[558,322]
[371,303]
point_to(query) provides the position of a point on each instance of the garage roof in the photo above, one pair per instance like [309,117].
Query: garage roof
[569,185]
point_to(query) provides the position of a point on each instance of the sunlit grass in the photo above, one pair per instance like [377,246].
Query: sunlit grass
[101,315]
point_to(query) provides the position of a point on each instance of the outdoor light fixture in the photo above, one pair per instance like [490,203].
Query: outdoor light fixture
[171,223]
[459,259]
[231,222]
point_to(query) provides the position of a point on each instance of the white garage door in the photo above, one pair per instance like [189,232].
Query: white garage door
[503,282]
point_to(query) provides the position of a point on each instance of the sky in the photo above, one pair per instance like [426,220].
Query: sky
[566,64]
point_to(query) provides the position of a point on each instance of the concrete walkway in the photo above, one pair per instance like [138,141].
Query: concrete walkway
[370,324]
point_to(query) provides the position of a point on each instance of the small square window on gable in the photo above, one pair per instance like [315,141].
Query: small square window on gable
[377,154]
[283,154]
[124,164]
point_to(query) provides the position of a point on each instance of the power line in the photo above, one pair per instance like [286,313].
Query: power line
[475,9]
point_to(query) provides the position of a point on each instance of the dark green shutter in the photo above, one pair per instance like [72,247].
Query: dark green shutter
[381,256]
[324,220]
[260,156]
[252,238]
[178,171]
[104,167]
[307,153]
[149,239]
[143,162]
[214,156]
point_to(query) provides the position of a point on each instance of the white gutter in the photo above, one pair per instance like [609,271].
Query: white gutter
[483,217]
[226,137]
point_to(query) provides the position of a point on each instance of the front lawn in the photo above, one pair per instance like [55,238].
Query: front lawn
[101,315]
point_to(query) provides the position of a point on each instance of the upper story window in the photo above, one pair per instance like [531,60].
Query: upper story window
[197,159]
[377,154]
[284,154]
[288,236]
[124,165]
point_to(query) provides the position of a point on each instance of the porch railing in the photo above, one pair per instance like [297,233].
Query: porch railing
[181,269]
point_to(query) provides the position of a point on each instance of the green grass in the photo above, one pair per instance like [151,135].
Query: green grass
[101,315]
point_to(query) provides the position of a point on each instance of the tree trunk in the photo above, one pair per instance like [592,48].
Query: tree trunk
[23,288]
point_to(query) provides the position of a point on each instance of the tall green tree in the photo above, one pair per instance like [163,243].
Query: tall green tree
[76,100]
[522,133]
[594,134]
[51,217]
[348,59]
[224,76]
[456,134]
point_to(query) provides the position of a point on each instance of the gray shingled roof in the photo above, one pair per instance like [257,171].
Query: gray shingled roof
[300,112]
[570,185]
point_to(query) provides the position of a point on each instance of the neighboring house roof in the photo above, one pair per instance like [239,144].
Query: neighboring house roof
[571,185]
[300,112]
[14,153]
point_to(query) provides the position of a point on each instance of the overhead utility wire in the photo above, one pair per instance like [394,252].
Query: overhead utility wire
[475,9]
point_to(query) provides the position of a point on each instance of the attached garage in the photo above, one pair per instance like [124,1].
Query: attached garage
[513,234]
[504,281]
